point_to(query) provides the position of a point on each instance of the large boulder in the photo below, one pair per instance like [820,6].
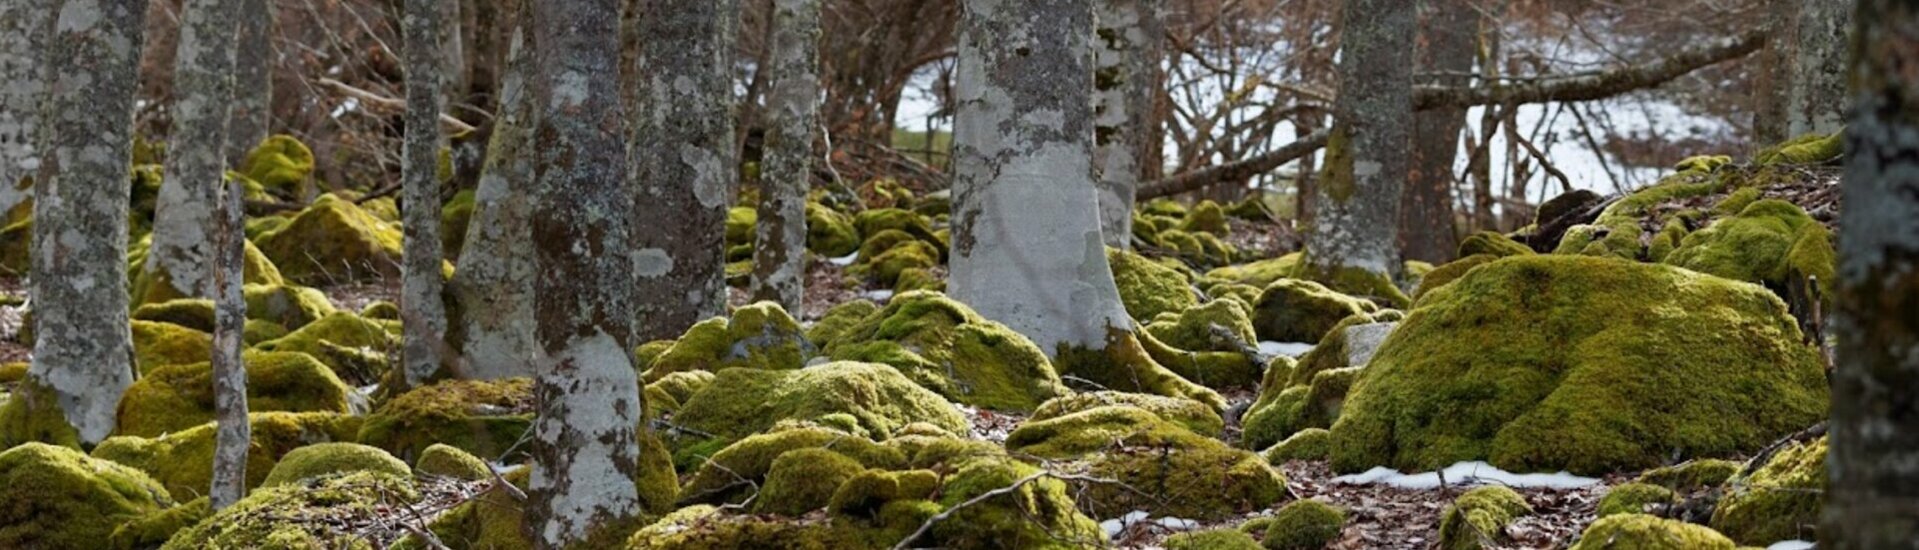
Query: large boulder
[1591,365]
[183,460]
[57,498]
[946,347]
[177,397]
[483,417]
[867,398]
[356,348]
[282,516]
[1148,288]
[1298,310]
[157,344]
[830,233]
[281,164]
[1166,469]
[334,241]
[325,459]
[758,336]
[1646,532]
[1770,241]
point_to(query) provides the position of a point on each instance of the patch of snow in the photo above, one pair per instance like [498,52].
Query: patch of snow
[881,295]
[350,105]
[1114,526]
[1289,349]
[846,260]
[1790,545]
[1465,473]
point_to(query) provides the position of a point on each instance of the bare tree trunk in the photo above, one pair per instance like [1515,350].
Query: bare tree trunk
[493,283]
[792,101]
[1875,417]
[1447,43]
[251,112]
[425,313]
[24,28]
[1125,81]
[686,162]
[1774,78]
[1356,205]
[1817,101]
[234,435]
[585,444]
[82,352]
[196,163]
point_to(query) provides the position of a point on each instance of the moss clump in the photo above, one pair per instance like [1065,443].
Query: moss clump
[356,348]
[1040,514]
[946,347]
[333,241]
[678,387]
[1691,475]
[281,164]
[489,521]
[804,480]
[56,497]
[157,345]
[290,306]
[449,461]
[1307,444]
[178,397]
[149,287]
[1297,310]
[278,517]
[758,336]
[13,373]
[183,460]
[1304,525]
[1148,288]
[1779,501]
[838,319]
[1634,498]
[1487,242]
[718,479]
[891,254]
[876,220]
[256,331]
[1187,413]
[455,215]
[866,494]
[1205,217]
[1181,473]
[1259,273]
[33,414]
[381,309]
[830,233]
[1316,404]
[1805,149]
[196,314]
[483,417]
[741,402]
[1589,365]
[1126,363]
[322,459]
[1479,517]
[1212,539]
[1758,245]
[153,529]
[1192,329]
[740,221]
[1702,163]
[1644,532]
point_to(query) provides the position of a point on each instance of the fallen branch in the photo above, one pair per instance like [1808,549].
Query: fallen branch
[388,102]
[983,497]
[1591,86]
[1765,455]
[1236,170]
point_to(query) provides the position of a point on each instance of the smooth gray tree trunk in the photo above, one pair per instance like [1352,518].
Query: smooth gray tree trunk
[493,282]
[786,174]
[424,25]
[686,161]
[82,350]
[196,162]
[1817,100]
[1873,492]
[24,28]
[1449,40]
[1356,204]
[1773,79]
[585,441]
[1126,54]
[234,433]
[250,115]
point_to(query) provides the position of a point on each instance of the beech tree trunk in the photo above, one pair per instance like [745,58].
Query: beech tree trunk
[424,312]
[1817,100]
[1447,44]
[1356,204]
[686,162]
[1873,494]
[234,433]
[250,115]
[82,349]
[196,160]
[1126,53]
[1773,78]
[493,282]
[792,104]
[585,441]
[24,28]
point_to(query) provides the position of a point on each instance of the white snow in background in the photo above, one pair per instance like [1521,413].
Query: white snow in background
[1114,526]
[1465,473]
[881,295]
[1790,545]
[1289,349]
[845,260]
[350,105]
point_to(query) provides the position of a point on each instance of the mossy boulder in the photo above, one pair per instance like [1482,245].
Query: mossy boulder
[1315,404]
[1478,518]
[1635,498]
[382,310]
[1307,444]
[193,313]
[290,306]
[157,344]
[1181,473]
[1805,149]
[804,480]
[58,498]
[1148,288]
[449,461]
[872,221]
[1450,272]
[1187,413]
[1761,245]
[1258,273]
[1692,475]
[179,397]
[483,417]
[1779,501]
[154,286]
[945,346]
[1493,244]
[718,478]
[1298,310]
[323,459]
[257,331]
[838,319]
[1211,539]
[334,241]
[1304,525]
[1206,217]
[830,233]
[1591,365]
[281,516]
[1193,328]
[760,336]
[281,164]
[867,494]
[677,388]
[1645,532]
[153,529]
[887,258]
[183,460]
[490,520]
[1039,514]
[356,348]
[455,215]
[880,400]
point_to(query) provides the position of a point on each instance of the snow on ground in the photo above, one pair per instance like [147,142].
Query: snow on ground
[1117,525]
[881,295]
[1465,473]
[846,260]
[1790,545]
[1289,349]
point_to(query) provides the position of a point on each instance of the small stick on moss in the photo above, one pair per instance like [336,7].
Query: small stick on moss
[1225,335]
[1765,455]
[501,482]
[1002,491]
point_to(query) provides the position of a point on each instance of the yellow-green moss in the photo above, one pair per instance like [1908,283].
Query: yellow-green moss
[1805,149]
[157,345]
[1702,163]
[719,478]
[946,347]
[804,480]
[1449,272]
[758,336]
[893,253]
[1192,329]
[1297,310]
[1315,404]
[449,461]
[56,497]
[1590,365]
[1213,539]
[355,348]
[1487,242]
[32,414]
[491,520]
[1147,288]
[259,330]
[1635,498]
[1040,514]
[1692,475]
[1478,518]
[483,417]
[1182,474]
[1205,217]
[876,220]
[154,528]
[196,314]
[179,397]
[1304,525]
[281,517]
[1187,413]
[1259,273]
[455,215]
[1779,501]
[830,233]
[324,459]
[334,242]
[866,494]
[290,306]
[1758,245]
[281,164]
[1644,532]
[149,287]
[838,319]
[1125,363]
[183,460]
[1307,444]
[1210,369]
[741,402]
[679,387]
[381,309]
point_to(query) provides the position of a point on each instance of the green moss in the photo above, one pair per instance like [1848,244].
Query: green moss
[1210,369]
[57,497]
[1756,246]
[1212,539]
[1181,473]
[721,478]
[281,164]
[324,459]
[290,306]
[885,265]
[183,460]
[1331,352]
[384,208]
[1487,242]
[946,347]
[1702,163]
[741,402]
[148,287]
[491,520]
[256,331]
[1644,532]
[1296,310]
[804,480]
[1379,288]
[483,417]
[866,494]
[334,241]
[1779,501]
[13,373]
[1205,217]
[381,309]
[1737,200]
[196,314]
[1039,514]
[758,336]
[1478,518]
[179,397]
[33,414]
[1307,444]
[1805,149]
[876,220]
[1259,273]
[455,215]
[1635,498]
[157,345]
[1187,413]
[1125,363]
[449,461]
[154,528]
[1304,525]
[1316,404]
[1691,475]
[1197,247]
[1147,288]
[830,233]
[355,348]
[838,319]
[280,517]
[680,386]
[1583,364]
[918,278]
[1192,329]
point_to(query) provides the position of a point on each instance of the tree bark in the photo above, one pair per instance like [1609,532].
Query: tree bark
[686,162]
[82,348]
[424,311]
[1873,497]
[1447,44]
[250,115]
[24,29]
[585,441]
[234,433]
[1356,204]
[1772,79]
[1126,52]
[196,162]
[1817,100]
[493,283]
[792,101]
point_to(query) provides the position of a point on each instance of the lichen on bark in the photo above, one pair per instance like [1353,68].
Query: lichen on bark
[792,101]
[493,282]
[423,25]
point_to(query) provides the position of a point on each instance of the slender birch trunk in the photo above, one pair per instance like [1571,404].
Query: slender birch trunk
[425,329]
[493,282]
[792,102]
[234,433]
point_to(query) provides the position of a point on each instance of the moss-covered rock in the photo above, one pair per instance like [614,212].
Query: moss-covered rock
[196,314]
[1187,413]
[448,461]
[1211,539]
[1590,365]
[290,306]
[281,517]
[1205,217]
[334,241]
[1316,404]
[56,498]
[1487,242]
[323,459]
[1761,245]
[867,494]
[880,400]
[677,388]
[804,480]
[183,460]
[946,347]
[830,233]
[1779,501]
[1478,518]
[149,287]
[1039,514]
[281,164]
[1258,273]
[356,348]
[1691,475]
[1304,525]
[1307,444]
[483,417]
[178,397]
[891,254]
[1148,288]
[153,529]
[1130,361]
[1805,149]
[257,331]
[158,344]
[490,520]
[1297,310]
[1182,474]
[838,319]
[382,310]
[876,220]
[1193,329]
[1634,498]
[760,336]
[1644,532]
[1450,272]
[719,477]
[1208,369]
